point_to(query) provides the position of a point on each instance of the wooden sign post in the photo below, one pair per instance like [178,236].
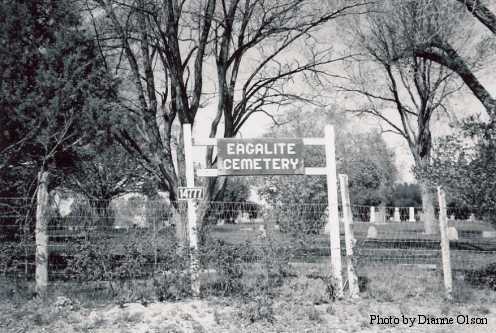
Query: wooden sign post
[192,227]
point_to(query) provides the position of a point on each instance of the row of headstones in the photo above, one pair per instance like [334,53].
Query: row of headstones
[378,217]
[452,233]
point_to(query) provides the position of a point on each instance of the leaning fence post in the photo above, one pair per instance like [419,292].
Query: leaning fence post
[348,235]
[41,258]
[332,205]
[192,228]
[445,249]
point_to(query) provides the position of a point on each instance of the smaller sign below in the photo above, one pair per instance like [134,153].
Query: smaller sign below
[186,193]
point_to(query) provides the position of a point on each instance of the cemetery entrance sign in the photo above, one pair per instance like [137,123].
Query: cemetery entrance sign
[243,157]
[236,157]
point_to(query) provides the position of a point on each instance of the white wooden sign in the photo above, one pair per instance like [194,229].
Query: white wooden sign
[237,157]
[186,193]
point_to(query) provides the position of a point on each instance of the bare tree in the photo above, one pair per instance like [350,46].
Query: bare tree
[160,61]
[440,49]
[151,43]
[273,32]
[166,43]
[481,12]
[402,93]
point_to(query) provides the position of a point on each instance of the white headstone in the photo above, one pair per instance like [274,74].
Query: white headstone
[471,217]
[452,233]
[397,215]
[488,234]
[372,232]
[263,233]
[411,214]
[372,214]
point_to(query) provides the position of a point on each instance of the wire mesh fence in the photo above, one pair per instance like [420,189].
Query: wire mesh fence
[137,245]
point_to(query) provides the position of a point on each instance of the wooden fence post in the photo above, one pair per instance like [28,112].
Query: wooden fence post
[332,205]
[445,246]
[41,257]
[348,235]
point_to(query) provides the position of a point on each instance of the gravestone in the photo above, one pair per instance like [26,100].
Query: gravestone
[262,231]
[372,214]
[372,232]
[452,233]
[488,234]
[411,214]
[396,216]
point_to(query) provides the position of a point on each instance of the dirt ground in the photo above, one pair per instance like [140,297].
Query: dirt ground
[225,315]
[300,304]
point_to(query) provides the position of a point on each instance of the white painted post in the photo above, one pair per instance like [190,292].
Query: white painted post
[411,214]
[348,235]
[41,228]
[397,217]
[445,250]
[192,229]
[372,214]
[332,206]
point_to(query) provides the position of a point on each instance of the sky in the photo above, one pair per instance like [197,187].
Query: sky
[463,103]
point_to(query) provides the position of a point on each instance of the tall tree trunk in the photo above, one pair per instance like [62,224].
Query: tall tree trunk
[427,194]
[422,156]
[179,211]
[427,208]
[103,214]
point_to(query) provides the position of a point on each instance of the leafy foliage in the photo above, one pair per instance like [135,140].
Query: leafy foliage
[54,91]
[406,195]
[465,166]
[235,193]
[102,174]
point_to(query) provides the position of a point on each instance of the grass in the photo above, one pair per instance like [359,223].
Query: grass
[300,303]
